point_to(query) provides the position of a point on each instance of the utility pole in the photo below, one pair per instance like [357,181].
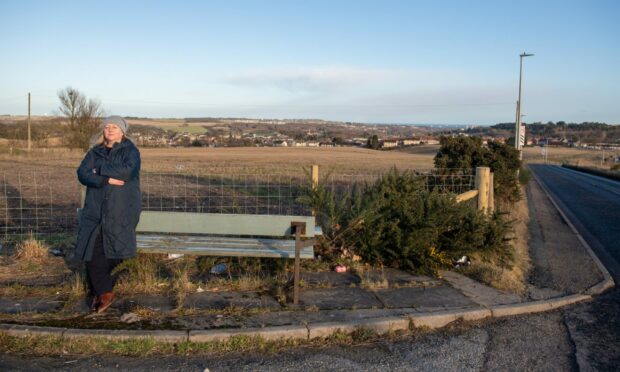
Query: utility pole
[29,142]
[519,130]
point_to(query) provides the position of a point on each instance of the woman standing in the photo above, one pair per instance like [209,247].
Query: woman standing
[107,233]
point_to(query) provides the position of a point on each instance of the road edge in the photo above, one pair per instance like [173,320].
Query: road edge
[608,281]
[383,325]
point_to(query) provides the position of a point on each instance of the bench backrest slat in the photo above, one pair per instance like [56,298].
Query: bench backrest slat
[221,224]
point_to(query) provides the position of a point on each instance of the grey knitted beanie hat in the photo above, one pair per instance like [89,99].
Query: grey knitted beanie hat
[116,120]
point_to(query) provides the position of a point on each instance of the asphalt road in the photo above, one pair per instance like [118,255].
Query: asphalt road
[592,204]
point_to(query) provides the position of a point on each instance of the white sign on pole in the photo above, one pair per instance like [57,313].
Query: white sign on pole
[522,136]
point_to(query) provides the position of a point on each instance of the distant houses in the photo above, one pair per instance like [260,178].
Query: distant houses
[221,136]
[405,142]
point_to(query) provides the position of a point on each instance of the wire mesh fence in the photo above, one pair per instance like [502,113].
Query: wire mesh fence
[240,192]
[43,203]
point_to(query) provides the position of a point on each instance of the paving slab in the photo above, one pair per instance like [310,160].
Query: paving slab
[26,305]
[535,293]
[32,281]
[155,303]
[479,293]
[223,300]
[79,305]
[430,298]
[399,278]
[339,298]
[330,278]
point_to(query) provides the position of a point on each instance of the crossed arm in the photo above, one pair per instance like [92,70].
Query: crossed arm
[114,174]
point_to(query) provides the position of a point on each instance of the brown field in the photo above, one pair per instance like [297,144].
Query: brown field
[568,154]
[346,159]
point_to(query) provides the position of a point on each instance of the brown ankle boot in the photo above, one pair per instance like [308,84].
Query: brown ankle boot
[106,300]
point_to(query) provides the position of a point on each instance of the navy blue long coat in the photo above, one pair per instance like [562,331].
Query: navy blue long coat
[113,210]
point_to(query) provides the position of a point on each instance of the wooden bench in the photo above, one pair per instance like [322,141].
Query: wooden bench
[237,235]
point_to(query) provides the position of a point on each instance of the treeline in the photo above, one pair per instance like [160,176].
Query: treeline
[551,126]
[589,132]
[40,129]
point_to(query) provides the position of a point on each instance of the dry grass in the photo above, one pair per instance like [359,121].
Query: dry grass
[31,251]
[31,262]
[181,284]
[75,288]
[343,158]
[488,270]
[145,312]
[245,282]
[142,275]
[368,276]
[374,283]
[17,290]
[558,155]
[55,345]
[275,159]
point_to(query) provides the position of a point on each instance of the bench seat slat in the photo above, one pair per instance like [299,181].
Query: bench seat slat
[210,246]
[222,224]
[201,240]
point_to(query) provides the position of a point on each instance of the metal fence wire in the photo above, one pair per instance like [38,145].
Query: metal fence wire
[44,203]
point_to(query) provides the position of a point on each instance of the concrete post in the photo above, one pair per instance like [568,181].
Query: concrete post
[482,184]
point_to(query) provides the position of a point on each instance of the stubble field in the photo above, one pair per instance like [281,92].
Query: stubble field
[568,154]
[345,159]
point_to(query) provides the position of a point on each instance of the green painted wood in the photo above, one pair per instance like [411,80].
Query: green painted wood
[221,224]
[220,246]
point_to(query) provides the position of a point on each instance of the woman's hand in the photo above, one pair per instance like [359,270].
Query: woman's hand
[115,182]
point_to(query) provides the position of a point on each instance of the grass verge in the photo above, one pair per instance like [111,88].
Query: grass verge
[489,270]
[55,345]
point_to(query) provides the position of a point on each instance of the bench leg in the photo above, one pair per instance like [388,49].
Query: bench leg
[298,244]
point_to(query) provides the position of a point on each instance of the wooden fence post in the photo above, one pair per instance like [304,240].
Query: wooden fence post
[315,181]
[482,184]
[315,177]
[491,194]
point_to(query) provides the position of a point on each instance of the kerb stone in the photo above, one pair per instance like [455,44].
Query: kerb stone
[267,333]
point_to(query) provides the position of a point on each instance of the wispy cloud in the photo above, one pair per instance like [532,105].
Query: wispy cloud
[312,80]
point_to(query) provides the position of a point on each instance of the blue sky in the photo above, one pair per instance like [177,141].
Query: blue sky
[369,61]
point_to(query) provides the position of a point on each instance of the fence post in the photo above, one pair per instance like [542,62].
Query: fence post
[315,181]
[491,193]
[315,177]
[482,184]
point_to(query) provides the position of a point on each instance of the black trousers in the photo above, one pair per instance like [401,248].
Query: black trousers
[99,269]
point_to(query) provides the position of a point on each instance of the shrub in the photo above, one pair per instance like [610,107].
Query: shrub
[469,153]
[396,222]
